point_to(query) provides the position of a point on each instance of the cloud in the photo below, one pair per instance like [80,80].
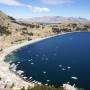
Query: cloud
[11,2]
[34,9]
[55,2]
[38,9]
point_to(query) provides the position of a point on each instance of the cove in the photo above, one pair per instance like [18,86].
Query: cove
[57,60]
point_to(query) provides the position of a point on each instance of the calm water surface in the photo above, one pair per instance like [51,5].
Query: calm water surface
[56,60]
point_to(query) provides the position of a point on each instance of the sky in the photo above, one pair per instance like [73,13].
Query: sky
[39,8]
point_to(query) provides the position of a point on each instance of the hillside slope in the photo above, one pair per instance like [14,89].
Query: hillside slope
[13,31]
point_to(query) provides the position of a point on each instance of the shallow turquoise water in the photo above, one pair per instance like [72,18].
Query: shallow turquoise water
[57,60]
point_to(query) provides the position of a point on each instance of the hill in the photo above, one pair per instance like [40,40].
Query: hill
[14,31]
[55,19]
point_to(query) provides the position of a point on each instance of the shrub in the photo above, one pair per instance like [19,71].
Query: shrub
[43,87]
[23,88]
[0,78]
[3,30]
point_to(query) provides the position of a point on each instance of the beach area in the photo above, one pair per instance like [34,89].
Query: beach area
[8,78]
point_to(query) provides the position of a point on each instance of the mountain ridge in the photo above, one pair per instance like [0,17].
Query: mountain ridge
[55,19]
[44,19]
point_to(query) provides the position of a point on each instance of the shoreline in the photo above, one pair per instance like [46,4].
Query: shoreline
[9,77]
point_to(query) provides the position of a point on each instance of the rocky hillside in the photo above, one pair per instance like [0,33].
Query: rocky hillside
[5,19]
[13,31]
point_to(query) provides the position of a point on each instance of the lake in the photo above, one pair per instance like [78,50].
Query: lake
[57,60]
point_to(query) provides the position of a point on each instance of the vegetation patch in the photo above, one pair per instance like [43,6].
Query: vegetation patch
[3,30]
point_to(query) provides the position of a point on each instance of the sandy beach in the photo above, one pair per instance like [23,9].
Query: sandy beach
[8,77]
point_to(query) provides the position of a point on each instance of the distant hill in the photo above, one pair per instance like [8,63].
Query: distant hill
[55,19]
[5,19]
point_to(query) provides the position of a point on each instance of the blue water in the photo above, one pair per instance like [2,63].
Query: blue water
[56,60]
